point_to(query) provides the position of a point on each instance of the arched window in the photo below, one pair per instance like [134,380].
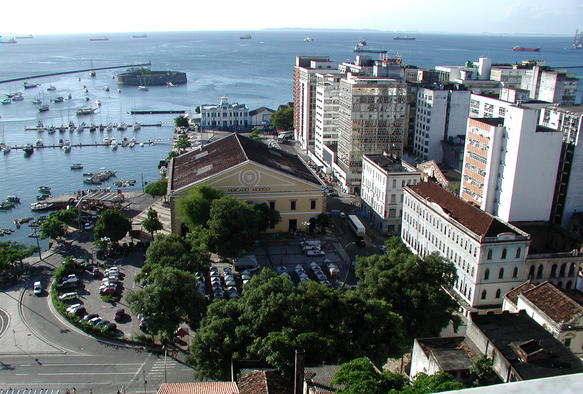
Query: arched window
[518,253]
[554,271]
[503,254]
[489,256]
[515,272]
[568,285]
[470,293]
[498,293]
[484,294]
[562,271]
[572,269]
[539,273]
[560,284]
[501,273]
[487,274]
[531,272]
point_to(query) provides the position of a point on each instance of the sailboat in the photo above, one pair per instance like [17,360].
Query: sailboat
[578,40]
[92,73]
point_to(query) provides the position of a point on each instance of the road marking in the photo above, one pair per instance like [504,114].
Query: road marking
[85,373]
[89,365]
[21,374]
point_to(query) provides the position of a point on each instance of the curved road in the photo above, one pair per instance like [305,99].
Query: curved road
[78,361]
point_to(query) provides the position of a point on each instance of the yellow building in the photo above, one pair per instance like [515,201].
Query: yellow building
[251,171]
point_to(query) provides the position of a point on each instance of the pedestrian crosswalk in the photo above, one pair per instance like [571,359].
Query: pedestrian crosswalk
[161,369]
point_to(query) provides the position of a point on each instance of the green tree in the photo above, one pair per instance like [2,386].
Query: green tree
[197,109]
[151,223]
[283,118]
[158,188]
[482,372]
[425,384]
[13,252]
[194,208]
[323,221]
[412,286]
[181,121]
[174,251]
[52,228]
[170,297]
[113,225]
[266,216]
[233,226]
[361,376]
[255,135]
[182,143]
[68,216]
[171,155]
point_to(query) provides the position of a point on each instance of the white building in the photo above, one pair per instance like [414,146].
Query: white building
[326,122]
[225,116]
[383,180]
[261,117]
[510,165]
[489,254]
[372,120]
[557,311]
[440,113]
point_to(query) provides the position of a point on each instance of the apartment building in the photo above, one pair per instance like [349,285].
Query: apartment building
[488,253]
[383,179]
[441,112]
[225,116]
[326,119]
[510,165]
[304,86]
[372,120]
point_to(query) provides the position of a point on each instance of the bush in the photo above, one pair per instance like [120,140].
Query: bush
[110,298]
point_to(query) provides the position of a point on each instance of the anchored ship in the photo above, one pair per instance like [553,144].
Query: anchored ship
[578,40]
[525,49]
[146,77]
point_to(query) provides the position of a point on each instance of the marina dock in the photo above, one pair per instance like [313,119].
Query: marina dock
[157,112]
[59,146]
[89,126]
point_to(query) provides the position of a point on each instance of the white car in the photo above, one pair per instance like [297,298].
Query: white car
[68,296]
[73,308]
[37,288]
[314,253]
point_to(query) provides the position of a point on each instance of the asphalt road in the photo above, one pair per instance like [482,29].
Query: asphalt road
[79,361]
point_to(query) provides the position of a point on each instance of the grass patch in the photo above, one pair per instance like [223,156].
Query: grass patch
[110,298]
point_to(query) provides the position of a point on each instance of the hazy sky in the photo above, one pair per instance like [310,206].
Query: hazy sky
[456,16]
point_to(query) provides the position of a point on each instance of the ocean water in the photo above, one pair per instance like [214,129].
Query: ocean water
[256,72]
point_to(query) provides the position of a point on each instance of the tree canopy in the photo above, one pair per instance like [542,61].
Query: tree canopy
[151,223]
[425,384]
[283,118]
[52,228]
[361,376]
[158,188]
[194,208]
[182,142]
[181,121]
[272,319]
[13,252]
[412,286]
[266,216]
[170,297]
[113,225]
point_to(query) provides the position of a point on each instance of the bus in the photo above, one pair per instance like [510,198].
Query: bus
[356,226]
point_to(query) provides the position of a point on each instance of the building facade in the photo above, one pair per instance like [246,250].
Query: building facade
[250,171]
[488,254]
[383,180]
[225,116]
[326,122]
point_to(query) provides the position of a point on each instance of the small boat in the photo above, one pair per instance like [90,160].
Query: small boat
[62,129]
[66,148]
[59,99]
[137,126]
[13,198]
[109,127]
[87,174]
[77,166]
[18,97]
[10,40]
[245,37]
[92,74]
[308,39]
[51,88]
[170,84]
[38,143]
[119,90]
[42,197]
[7,149]
[37,101]
[40,206]
[44,189]
[98,103]
[113,144]
[28,149]
[28,85]
[141,144]
[143,88]
[69,96]
[6,101]
[92,128]
[52,130]
[6,205]
[101,127]
[43,108]
[121,126]
[106,88]
[85,111]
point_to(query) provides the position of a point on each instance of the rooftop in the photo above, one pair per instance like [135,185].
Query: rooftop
[199,388]
[388,163]
[518,338]
[513,294]
[451,353]
[547,237]
[321,376]
[491,121]
[264,382]
[229,151]
[474,219]
[553,302]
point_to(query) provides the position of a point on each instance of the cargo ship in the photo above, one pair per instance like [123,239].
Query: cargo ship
[146,77]
[404,38]
[99,39]
[10,40]
[360,49]
[245,37]
[525,49]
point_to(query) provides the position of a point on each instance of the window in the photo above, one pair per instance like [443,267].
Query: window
[292,205]
[568,285]
[312,204]
[503,255]
[515,272]
[562,271]
[554,271]
[272,205]
[531,272]
[487,274]
[484,294]
[572,269]
[489,257]
[539,273]
[518,253]
[498,293]
[501,273]
[567,342]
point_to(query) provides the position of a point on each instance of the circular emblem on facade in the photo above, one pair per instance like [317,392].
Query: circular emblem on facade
[249,177]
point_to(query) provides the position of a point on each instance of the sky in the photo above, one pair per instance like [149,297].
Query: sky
[540,17]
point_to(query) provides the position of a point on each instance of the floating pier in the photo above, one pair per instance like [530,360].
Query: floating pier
[59,146]
[129,126]
[156,112]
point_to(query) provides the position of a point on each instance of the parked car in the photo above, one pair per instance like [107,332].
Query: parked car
[68,296]
[95,320]
[107,291]
[80,311]
[90,316]
[333,193]
[315,252]
[111,326]
[73,307]
[101,323]
[37,288]
[96,273]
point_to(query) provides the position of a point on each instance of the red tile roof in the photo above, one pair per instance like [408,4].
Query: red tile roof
[513,294]
[199,388]
[230,151]
[264,382]
[553,302]
[471,217]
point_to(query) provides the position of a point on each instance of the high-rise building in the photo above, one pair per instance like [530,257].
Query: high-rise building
[372,120]
[305,72]
[326,121]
